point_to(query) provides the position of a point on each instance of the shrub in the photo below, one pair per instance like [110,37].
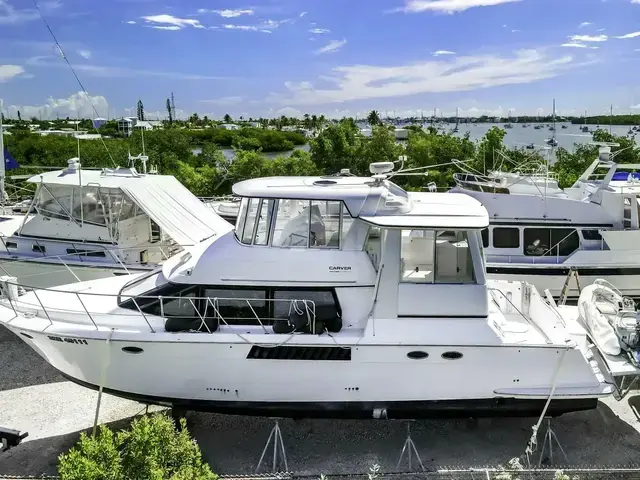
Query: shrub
[151,449]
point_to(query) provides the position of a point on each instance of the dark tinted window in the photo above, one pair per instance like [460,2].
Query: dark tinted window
[591,235]
[485,237]
[506,237]
[550,241]
[237,306]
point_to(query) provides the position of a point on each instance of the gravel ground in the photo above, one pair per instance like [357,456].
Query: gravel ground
[34,398]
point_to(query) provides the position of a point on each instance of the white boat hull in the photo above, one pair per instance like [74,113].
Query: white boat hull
[193,371]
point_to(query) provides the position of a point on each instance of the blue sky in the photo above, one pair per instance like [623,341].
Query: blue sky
[331,57]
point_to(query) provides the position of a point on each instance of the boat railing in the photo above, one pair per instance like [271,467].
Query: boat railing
[195,313]
[83,255]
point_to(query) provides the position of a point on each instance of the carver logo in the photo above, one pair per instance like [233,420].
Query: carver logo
[339,268]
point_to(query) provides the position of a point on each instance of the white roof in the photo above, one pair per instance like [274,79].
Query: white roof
[436,210]
[174,208]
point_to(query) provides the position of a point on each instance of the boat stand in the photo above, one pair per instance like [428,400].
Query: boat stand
[549,439]
[278,449]
[410,449]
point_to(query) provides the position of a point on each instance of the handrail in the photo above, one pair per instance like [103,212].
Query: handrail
[309,306]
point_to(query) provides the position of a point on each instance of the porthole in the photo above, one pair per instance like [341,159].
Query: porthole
[417,355]
[134,350]
[451,355]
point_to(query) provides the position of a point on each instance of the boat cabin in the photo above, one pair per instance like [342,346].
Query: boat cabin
[355,247]
[110,215]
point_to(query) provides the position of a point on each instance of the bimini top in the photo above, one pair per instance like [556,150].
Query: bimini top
[374,200]
[164,199]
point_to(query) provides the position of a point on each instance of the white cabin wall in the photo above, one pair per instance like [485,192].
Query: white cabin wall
[47,227]
[387,303]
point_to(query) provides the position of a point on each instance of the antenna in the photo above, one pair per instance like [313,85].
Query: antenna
[173,106]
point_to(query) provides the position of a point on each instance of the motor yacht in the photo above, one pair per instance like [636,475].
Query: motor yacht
[540,235]
[333,297]
[87,224]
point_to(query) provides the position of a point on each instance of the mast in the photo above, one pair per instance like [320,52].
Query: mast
[2,156]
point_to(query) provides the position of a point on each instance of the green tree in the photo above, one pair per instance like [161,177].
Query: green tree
[227,118]
[374,118]
[151,449]
[337,147]
[380,147]
[298,164]
[19,116]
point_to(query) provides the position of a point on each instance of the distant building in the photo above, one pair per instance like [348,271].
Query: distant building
[143,125]
[88,136]
[255,124]
[98,122]
[126,124]
[70,132]
[229,126]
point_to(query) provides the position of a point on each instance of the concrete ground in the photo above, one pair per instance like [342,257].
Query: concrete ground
[34,398]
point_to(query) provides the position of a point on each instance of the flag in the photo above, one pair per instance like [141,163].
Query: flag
[9,162]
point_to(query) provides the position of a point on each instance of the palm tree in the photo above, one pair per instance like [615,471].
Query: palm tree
[374,118]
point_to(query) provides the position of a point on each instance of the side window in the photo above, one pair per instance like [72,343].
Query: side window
[324,230]
[242,218]
[292,224]
[417,256]
[264,222]
[373,246]
[537,241]
[564,241]
[591,235]
[347,222]
[453,261]
[485,237]
[237,306]
[323,300]
[250,223]
[506,237]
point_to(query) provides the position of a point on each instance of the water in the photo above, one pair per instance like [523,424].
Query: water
[516,137]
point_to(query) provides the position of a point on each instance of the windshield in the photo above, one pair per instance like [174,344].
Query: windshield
[142,283]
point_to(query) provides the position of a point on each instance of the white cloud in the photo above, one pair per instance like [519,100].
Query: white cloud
[228,13]
[601,30]
[332,46]
[77,105]
[515,30]
[224,101]
[448,6]
[437,53]
[584,24]
[630,35]
[7,72]
[84,53]
[246,28]
[131,22]
[162,22]
[635,107]
[462,73]
[302,14]
[265,27]
[578,45]
[635,1]
[10,15]
[589,38]
[289,112]
[319,31]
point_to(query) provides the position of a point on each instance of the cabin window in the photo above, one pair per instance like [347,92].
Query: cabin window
[87,206]
[436,257]
[250,223]
[325,224]
[591,235]
[261,236]
[183,305]
[11,244]
[242,217]
[325,302]
[550,241]
[347,223]
[38,248]
[54,201]
[506,237]
[292,223]
[237,306]
[86,253]
[485,237]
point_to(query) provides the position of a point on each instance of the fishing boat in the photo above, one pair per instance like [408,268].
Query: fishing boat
[87,224]
[368,310]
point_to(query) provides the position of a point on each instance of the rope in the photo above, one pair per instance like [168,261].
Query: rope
[84,90]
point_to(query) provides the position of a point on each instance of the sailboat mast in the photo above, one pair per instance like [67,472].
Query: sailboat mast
[2,163]
[610,118]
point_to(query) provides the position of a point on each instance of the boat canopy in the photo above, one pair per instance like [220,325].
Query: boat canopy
[164,199]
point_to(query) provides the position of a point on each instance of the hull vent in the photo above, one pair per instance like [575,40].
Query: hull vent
[300,353]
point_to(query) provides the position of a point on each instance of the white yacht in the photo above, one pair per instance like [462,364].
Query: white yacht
[332,297]
[88,224]
[592,227]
